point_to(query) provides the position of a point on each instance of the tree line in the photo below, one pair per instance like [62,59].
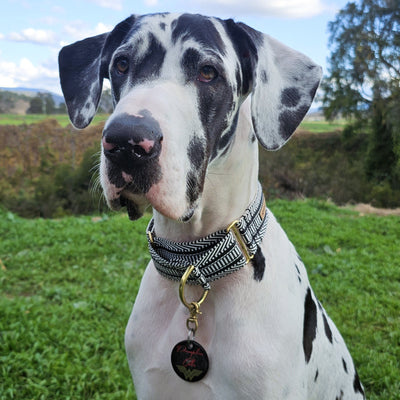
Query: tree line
[43,103]
[363,82]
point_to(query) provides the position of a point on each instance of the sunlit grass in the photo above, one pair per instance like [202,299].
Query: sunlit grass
[68,285]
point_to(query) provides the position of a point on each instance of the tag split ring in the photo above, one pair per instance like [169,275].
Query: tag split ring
[182,285]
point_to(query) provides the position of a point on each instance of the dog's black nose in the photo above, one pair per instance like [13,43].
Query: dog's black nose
[130,139]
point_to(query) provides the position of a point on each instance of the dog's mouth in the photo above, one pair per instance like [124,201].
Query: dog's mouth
[137,203]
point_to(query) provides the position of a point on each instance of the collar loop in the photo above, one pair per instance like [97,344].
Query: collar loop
[216,255]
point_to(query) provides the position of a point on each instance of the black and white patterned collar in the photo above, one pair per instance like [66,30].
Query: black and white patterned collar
[215,255]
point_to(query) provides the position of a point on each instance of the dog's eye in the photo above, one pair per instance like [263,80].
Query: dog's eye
[122,65]
[207,74]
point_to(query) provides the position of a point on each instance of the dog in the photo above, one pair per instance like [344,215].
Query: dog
[193,97]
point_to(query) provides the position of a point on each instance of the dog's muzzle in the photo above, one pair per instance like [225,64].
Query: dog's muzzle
[131,141]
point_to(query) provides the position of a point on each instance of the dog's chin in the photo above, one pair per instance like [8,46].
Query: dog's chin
[170,204]
[136,205]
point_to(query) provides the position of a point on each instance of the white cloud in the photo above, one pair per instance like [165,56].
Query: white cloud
[31,35]
[78,30]
[151,3]
[113,4]
[276,8]
[26,74]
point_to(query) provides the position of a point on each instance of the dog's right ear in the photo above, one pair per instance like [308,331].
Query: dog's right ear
[83,66]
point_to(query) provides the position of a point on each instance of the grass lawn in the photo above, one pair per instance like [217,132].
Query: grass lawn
[68,285]
[63,119]
[322,126]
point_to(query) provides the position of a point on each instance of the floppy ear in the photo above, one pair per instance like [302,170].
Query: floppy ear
[83,66]
[284,85]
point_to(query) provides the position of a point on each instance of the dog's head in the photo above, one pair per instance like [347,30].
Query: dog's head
[177,83]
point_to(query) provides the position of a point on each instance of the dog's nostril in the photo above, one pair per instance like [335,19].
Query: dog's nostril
[139,151]
[108,146]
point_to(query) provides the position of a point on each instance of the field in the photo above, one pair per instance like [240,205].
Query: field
[68,285]
[63,120]
[13,119]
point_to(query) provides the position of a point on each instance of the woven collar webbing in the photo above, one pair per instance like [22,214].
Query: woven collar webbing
[216,255]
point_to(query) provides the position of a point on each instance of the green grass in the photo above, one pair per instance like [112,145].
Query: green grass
[68,285]
[62,119]
[322,126]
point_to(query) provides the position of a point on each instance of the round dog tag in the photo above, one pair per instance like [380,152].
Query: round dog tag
[189,360]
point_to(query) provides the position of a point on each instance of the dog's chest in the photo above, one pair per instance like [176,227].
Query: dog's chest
[237,328]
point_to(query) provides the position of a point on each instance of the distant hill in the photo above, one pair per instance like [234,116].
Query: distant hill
[30,92]
[17,100]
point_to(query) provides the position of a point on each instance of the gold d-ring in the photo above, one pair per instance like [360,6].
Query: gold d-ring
[182,284]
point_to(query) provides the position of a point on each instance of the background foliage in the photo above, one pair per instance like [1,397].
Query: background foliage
[48,170]
[363,83]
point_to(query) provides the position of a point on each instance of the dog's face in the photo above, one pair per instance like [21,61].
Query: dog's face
[178,82]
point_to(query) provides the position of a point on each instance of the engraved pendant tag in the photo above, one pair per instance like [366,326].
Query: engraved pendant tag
[189,360]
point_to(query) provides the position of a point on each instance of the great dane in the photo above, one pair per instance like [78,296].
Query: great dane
[193,96]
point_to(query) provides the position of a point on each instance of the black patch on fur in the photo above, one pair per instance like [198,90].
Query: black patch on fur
[313,90]
[264,76]
[163,25]
[190,63]
[246,52]
[290,97]
[328,331]
[344,365]
[196,153]
[149,66]
[226,139]
[289,120]
[298,273]
[357,384]
[200,29]
[340,397]
[316,376]
[133,210]
[258,265]
[192,187]
[310,325]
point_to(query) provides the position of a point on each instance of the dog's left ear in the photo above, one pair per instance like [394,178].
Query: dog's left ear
[284,83]
[83,66]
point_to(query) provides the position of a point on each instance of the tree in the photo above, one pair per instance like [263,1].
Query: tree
[35,105]
[48,101]
[364,79]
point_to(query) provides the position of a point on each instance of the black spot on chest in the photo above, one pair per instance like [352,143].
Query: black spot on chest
[357,384]
[328,331]
[310,325]
[258,265]
[344,365]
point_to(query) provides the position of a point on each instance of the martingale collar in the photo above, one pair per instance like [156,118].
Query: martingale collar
[215,255]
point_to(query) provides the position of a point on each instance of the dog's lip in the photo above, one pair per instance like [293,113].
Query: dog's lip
[188,215]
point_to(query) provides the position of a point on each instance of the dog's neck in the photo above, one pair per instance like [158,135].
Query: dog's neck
[221,203]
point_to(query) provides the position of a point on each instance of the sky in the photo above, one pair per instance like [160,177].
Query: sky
[32,32]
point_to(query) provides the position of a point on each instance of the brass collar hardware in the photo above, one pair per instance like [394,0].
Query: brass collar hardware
[234,229]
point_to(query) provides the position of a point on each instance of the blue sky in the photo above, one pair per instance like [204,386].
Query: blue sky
[33,31]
